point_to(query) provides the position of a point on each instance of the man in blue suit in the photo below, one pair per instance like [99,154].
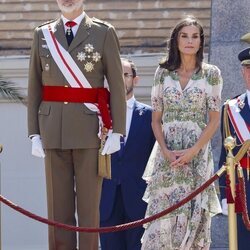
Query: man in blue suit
[121,199]
[238,113]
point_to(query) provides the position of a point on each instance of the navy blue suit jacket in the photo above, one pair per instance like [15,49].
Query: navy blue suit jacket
[128,167]
[245,113]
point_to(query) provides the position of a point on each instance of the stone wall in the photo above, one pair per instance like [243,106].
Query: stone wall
[142,26]
[229,22]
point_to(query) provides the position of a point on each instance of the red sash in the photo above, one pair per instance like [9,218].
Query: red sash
[99,96]
[244,162]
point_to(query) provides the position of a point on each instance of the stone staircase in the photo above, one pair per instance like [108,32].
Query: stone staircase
[142,26]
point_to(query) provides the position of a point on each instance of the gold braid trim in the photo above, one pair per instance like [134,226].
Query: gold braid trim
[244,148]
[104,161]
[226,130]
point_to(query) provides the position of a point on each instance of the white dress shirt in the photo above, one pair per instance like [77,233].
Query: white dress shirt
[76,20]
[130,108]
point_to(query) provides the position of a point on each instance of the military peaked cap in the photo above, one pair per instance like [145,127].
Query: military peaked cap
[244,56]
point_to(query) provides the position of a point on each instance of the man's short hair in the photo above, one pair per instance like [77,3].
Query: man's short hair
[132,65]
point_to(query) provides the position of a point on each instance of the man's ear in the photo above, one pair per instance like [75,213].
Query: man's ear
[135,80]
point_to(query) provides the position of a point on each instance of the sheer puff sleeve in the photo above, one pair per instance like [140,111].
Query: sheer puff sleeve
[157,90]
[215,84]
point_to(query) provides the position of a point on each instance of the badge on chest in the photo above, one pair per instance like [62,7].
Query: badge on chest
[89,56]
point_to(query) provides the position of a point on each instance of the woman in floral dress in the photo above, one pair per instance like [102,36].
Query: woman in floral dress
[186,99]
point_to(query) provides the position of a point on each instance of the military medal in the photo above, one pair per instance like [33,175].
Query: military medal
[68,32]
[89,66]
[96,56]
[89,48]
[81,56]
[89,56]
[241,103]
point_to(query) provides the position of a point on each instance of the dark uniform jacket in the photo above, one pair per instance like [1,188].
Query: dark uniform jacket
[244,112]
[243,233]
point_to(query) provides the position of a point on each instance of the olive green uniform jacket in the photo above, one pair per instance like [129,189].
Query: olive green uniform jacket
[72,125]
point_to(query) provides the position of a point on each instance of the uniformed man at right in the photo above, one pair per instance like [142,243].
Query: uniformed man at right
[237,119]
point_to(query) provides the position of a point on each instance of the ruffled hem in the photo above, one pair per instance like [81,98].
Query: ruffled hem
[176,234]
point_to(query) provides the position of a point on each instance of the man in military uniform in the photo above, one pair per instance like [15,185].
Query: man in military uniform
[67,107]
[237,113]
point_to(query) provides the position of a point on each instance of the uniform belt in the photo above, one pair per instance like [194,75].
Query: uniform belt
[98,96]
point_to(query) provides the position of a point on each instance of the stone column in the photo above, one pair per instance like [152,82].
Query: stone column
[229,22]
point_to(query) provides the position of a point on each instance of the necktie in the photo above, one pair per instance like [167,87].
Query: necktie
[69,33]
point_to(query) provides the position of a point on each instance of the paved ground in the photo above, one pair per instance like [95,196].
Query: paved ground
[219,233]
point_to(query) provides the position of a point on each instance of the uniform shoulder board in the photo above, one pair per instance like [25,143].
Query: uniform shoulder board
[236,96]
[227,101]
[51,21]
[96,20]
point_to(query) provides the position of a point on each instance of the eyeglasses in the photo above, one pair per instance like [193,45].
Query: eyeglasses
[127,75]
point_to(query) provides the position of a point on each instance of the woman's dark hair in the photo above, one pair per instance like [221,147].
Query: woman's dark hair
[173,60]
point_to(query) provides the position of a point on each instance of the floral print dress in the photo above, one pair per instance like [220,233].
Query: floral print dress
[185,114]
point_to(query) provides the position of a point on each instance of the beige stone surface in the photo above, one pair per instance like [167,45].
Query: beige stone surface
[141,25]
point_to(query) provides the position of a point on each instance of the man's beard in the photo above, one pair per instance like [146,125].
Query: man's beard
[69,9]
[129,90]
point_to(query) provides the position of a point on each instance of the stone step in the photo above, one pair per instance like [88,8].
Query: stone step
[143,25]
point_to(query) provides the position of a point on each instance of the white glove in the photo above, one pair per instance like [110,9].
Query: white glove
[37,148]
[112,143]
[224,207]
